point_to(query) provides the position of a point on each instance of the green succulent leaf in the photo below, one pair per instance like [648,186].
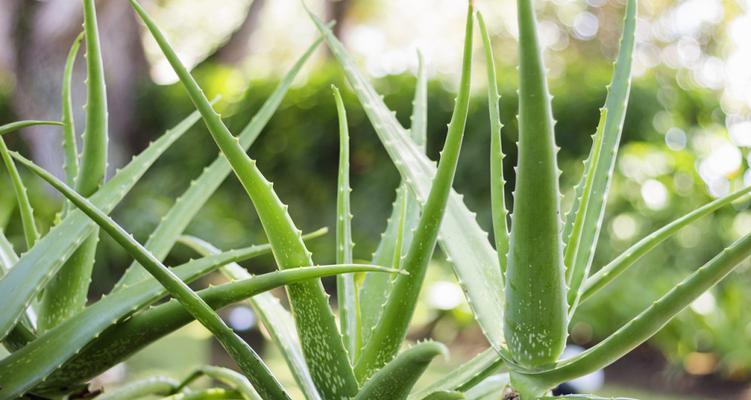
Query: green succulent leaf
[190,202]
[400,226]
[395,380]
[277,320]
[599,167]
[649,321]
[247,360]
[445,395]
[497,181]
[347,294]
[316,325]
[70,148]
[461,238]
[389,332]
[151,386]
[628,258]
[535,316]
[464,376]
[14,126]
[488,388]
[35,267]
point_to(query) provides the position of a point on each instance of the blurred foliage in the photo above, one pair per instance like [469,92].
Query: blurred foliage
[654,184]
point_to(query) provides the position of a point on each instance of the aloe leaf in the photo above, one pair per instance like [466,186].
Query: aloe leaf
[391,328]
[345,284]
[207,394]
[461,238]
[227,376]
[626,259]
[464,376]
[419,120]
[151,386]
[397,237]
[23,332]
[190,202]
[70,148]
[395,380]
[535,315]
[497,181]
[57,346]
[31,234]
[41,262]
[247,359]
[649,321]
[325,351]
[94,152]
[603,159]
[127,337]
[14,126]
[277,320]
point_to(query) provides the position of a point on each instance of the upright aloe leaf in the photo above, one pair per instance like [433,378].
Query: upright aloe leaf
[345,284]
[190,202]
[67,292]
[247,359]
[602,158]
[400,226]
[35,267]
[535,314]
[461,238]
[70,148]
[277,320]
[649,321]
[497,181]
[24,205]
[395,380]
[397,312]
[325,351]
[626,259]
[61,349]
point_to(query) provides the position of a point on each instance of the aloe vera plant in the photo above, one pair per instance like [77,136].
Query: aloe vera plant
[523,293]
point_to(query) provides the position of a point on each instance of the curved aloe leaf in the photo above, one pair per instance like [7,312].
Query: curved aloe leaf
[155,386]
[207,394]
[129,336]
[247,359]
[602,158]
[70,148]
[346,288]
[31,234]
[405,214]
[497,181]
[535,314]
[23,332]
[461,238]
[626,259]
[190,202]
[35,267]
[464,376]
[57,346]
[488,388]
[14,126]
[649,321]
[227,376]
[277,320]
[395,380]
[325,351]
[391,328]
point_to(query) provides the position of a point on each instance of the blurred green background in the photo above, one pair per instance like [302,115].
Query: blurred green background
[686,141]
